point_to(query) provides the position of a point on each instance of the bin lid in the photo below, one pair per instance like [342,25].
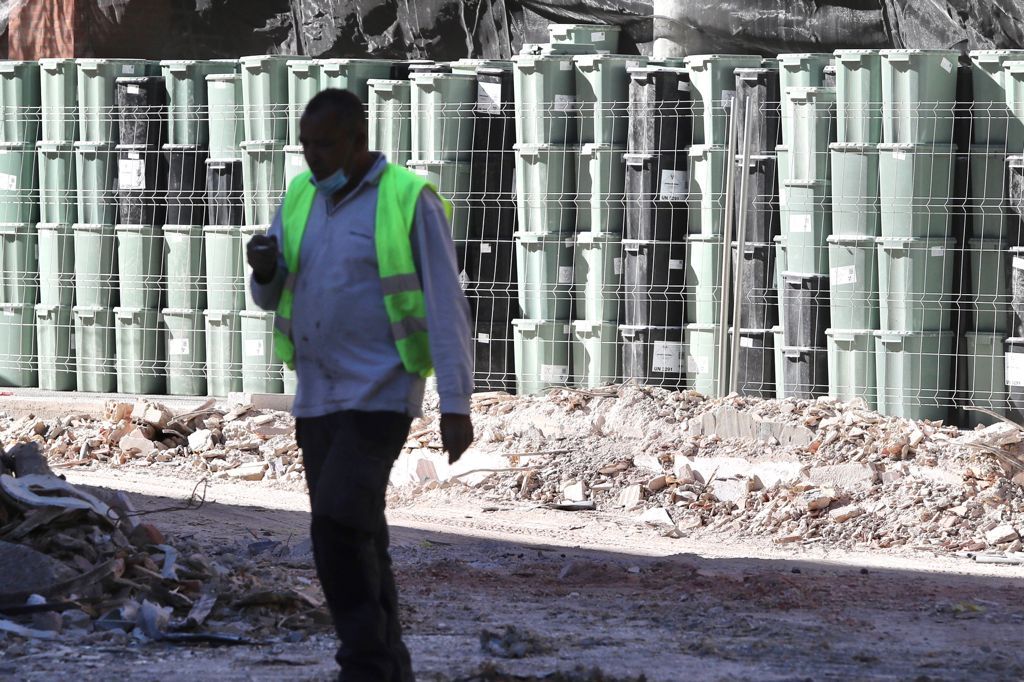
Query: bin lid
[48,309]
[138,228]
[701,61]
[183,148]
[17,308]
[897,52]
[989,244]
[797,351]
[853,147]
[263,58]
[57,147]
[996,57]
[224,77]
[431,76]
[9,228]
[182,228]
[598,238]
[588,61]
[701,150]
[851,239]
[809,278]
[848,334]
[181,312]
[633,329]
[841,54]
[704,238]
[255,314]
[700,327]
[890,335]
[95,146]
[345,61]
[593,148]
[1014,67]
[245,229]
[812,93]
[990,337]
[16,146]
[537,147]
[262,145]
[942,243]
[64,227]
[223,163]
[797,58]
[566,238]
[92,227]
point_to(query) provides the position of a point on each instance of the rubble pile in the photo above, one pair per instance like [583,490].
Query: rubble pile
[239,444]
[797,471]
[83,564]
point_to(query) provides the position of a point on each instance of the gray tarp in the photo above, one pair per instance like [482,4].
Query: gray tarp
[450,29]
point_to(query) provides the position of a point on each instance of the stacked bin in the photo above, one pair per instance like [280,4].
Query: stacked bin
[805,174]
[856,218]
[546,159]
[914,348]
[756,209]
[491,267]
[653,251]
[141,188]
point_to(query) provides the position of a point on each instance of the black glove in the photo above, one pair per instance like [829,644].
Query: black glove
[456,435]
[262,254]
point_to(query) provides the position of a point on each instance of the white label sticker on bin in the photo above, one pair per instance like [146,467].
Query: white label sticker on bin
[485,248]
[746,342]
[565,103]
[617,266]
[801,222]
[8,312]
[133,89]
[683,86]
[177,347]
[565,65]
[667,356]
[128,69]
[844,275]
[1018,263]
[8,181]
[947,65]
[254,348]
[565,274]
[676,264]
[673,185]
[938,251]
[697,364]
[488,98]
[483,338]
[555,374]
[596,36]
[899,155]
[131,174]
[297,160]
[1014,369]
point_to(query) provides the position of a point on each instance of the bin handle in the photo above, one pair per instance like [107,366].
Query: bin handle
[899,58]
[178,68]
[301,68]
[7,68]
[841,335]
[791,352]
[891,338]
[852,59]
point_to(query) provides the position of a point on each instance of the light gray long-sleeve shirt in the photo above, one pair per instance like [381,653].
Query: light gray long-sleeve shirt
[345,354]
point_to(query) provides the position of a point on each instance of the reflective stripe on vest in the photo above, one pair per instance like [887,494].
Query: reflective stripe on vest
[398,195]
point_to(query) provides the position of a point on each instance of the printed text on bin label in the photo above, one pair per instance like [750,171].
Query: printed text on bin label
[565,274]
[131,174]
[673,185]
[846,274]
[177,347]
[667,356]
[554,374]
[8,182]
[1014,369]
[254,348]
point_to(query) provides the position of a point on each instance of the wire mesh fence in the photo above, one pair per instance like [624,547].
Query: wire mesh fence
[613,220]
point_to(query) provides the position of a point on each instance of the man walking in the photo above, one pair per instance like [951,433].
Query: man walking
[360,268]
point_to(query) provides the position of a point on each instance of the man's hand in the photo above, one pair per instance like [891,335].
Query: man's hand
[456,435]
[261,252]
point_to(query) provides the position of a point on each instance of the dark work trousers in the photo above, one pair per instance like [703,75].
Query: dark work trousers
[348,457]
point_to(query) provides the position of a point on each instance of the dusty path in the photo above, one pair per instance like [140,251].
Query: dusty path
[595,590]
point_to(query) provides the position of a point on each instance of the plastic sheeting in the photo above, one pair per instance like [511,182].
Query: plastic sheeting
[451,29]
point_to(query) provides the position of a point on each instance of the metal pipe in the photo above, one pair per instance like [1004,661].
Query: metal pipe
[741,241]
[726,279]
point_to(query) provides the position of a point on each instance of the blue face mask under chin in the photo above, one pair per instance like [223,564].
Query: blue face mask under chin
[332,183]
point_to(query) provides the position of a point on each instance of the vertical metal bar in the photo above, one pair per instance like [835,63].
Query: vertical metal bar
[741,227]
[726,279]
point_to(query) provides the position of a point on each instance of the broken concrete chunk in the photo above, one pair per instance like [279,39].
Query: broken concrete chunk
[843,514]
[731,489]
[656,517]
[819,498]
[648,462]
[158,416]
[253,471]
[852,476]
[657,483]
[575,492]
[631,496]
[1001,534]
[201,440]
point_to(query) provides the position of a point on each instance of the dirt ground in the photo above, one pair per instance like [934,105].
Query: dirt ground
[583,590]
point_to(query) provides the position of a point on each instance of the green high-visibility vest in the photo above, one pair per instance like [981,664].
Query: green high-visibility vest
[398,195]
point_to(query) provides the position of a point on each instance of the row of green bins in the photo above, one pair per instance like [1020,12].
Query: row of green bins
[185,343]
[442,115]
[140,266]
[703,279]
[262,180]
[95,343]
[713,87]
[140,351]
[58,182]
[992,121]
[19,263]
[54,331]
[598,277]
[225,106]
[600,192]
[918,96]
[602,90]
[19,183]
[244,271]
[453,181]
[95,263]
[855,190]
[705,197]
[97,100]
[18,358]
[853,282]
[915,189]
[806,225]
[701,343]
[808,128]
[858,96]
[545,97]
[20,102]
[915,282]
[265,97]
[56,264]
[390,119]
[185,265]
[542,354]
[546,187]
[96,168]
[595,353]
[913,373]
[604,38]
[987,292]
[851,365]
[544,268]
[225,246]
[984,384]
[58,81]
[188,116]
